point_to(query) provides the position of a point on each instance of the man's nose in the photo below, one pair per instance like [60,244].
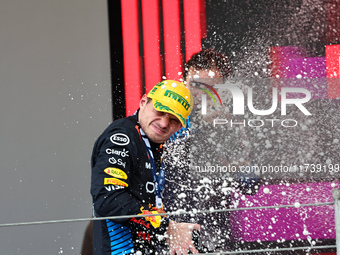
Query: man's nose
[165,119]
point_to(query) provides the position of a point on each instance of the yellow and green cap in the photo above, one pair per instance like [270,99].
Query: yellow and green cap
[172,97]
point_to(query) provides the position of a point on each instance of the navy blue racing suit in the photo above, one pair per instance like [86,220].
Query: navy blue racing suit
[122,183]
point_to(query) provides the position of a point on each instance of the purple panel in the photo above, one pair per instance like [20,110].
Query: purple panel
[294,223]
[307,67]
[300,69]
[281,55]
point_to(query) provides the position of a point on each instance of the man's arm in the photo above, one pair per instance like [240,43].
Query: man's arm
[112,164]
[114,188]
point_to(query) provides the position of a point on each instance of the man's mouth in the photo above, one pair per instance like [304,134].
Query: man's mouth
[158,130]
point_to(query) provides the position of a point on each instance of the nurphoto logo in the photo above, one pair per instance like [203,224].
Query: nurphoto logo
[253,100]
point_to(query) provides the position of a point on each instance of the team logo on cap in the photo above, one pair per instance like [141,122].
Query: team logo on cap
[161,107]
[173,95]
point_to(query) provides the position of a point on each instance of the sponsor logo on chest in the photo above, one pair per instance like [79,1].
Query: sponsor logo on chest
[120,139]
[124,153]
[119,162]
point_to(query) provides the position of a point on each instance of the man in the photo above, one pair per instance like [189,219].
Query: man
[205,64]
[128,176]
[187,190]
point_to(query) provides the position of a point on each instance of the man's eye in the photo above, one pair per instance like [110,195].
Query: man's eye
[175,121]
[159,113]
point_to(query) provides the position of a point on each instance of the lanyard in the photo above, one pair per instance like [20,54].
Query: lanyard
[159,178]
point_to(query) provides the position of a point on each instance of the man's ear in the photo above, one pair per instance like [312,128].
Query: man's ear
[143,101]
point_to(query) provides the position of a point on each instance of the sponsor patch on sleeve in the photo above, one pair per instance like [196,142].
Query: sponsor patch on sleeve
[116,172]
[115,161]
[115,181]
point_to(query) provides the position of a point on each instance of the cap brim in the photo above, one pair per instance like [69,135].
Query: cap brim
[167,109]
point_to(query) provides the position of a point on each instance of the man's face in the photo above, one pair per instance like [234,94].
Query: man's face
[158,126]
[194,74]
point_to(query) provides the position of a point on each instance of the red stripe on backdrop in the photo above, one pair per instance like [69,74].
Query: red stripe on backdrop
[172,39]
[203,19]
[132,70]
[192,27]
[333,59]
[333,70]
[151,41]
[333,21]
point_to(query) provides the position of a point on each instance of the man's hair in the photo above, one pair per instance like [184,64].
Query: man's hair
[208,59]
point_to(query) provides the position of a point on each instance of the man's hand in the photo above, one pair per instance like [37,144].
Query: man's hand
[179,238]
